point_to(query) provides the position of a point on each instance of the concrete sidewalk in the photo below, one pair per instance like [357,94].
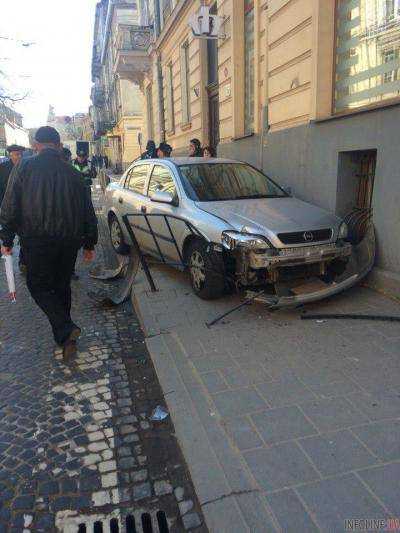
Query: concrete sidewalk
[286,425]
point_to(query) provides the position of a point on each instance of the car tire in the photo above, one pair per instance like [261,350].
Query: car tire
[116,236]
[206,269]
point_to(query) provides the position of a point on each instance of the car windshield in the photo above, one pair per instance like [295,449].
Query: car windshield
[212,182]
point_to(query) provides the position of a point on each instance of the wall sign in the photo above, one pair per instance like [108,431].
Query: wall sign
[206,26]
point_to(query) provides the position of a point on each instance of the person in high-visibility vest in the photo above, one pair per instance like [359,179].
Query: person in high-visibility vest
[85,167]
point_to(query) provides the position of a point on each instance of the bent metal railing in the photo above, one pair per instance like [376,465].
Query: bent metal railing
[194,231]
[127,219]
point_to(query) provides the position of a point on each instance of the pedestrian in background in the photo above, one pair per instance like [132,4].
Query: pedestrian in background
[195,148]
[66,154]
[209,152]
[164,150]
[151,151]
[48,206]
[106,161]
[15,153]
[86,168]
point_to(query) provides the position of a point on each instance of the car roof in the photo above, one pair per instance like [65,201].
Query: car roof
[191,160]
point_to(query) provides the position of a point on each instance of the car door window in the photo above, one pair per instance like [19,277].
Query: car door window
[161,180]
[137,179]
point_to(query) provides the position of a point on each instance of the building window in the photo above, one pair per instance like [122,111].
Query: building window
[170,98]
[248,66]
[185,82]
[367,53]
[149,107]
[390,56]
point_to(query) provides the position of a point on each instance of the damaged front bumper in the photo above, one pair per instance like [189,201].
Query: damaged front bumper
[360,263]
[299,256]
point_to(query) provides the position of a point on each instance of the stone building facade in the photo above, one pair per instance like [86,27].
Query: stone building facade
[117,100]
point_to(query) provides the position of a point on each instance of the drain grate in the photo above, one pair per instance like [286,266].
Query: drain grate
[138,522]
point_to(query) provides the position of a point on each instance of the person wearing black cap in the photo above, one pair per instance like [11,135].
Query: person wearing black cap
[164,150]
[151,151]
[86,169]
[195,149]
[49,207]
[15,153]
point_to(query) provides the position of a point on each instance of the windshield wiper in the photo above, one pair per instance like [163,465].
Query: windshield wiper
[257,196]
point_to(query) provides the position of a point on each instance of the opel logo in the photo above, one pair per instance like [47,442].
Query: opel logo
[308,236]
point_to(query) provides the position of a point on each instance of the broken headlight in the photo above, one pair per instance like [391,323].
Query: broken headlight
[233,239]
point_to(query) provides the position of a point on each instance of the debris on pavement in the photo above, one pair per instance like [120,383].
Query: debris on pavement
[158,414]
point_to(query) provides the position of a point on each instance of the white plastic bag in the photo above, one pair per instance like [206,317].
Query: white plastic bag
[10,276]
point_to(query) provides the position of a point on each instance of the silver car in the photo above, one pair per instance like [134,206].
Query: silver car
[225,221]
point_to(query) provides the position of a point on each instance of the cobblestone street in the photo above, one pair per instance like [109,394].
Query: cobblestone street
[78,451]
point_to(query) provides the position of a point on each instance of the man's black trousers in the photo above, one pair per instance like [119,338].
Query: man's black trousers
[49,270]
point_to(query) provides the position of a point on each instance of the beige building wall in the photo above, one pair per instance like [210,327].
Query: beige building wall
[180,132]
[293,66]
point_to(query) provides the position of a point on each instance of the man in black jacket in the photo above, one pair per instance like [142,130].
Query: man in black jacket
[49,207]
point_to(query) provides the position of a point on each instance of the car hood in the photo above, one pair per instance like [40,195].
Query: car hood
[277,215]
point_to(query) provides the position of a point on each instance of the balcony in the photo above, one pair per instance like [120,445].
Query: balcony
[131,59]
[102,127]
[98,97]
[96,68]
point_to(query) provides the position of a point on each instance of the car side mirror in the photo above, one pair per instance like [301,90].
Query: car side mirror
[163,197]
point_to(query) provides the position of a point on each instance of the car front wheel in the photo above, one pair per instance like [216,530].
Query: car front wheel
[207,273]
[117,237]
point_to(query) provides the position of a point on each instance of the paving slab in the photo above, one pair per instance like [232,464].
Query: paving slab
[291,513]
[337,452]
[280,466]
[382,438]
[281,424]
[284,422]
[333,501]
[384,481]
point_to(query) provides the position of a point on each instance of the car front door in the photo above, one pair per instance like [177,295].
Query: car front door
[160,241]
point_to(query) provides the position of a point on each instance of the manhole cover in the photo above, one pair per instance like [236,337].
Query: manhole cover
[134,522]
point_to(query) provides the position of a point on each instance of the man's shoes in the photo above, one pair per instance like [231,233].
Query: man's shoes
[75,276]
[75,333]
[69,349]
[69,346]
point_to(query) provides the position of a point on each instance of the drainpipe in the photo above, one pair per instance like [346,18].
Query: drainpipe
[264,114]
[160,91]
[107,28]
[160,98]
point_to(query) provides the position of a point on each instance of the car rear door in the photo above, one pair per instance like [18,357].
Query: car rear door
[132,197]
